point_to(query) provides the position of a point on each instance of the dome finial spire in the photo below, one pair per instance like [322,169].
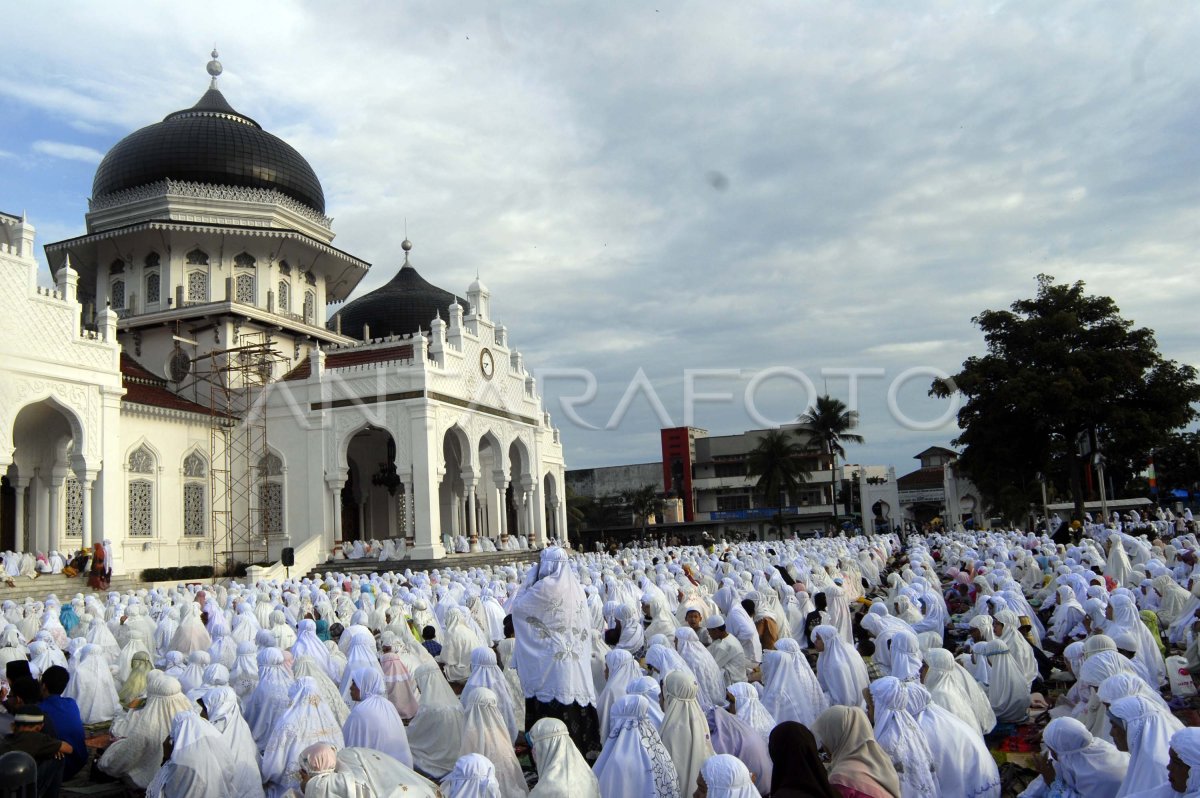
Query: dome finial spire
[214,67]
[406,245]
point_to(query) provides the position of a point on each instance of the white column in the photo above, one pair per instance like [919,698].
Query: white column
[409,512]
[470,481]
[21,484]
[55,511]
[502,506]
[85,511]
[426,457]
[333,530]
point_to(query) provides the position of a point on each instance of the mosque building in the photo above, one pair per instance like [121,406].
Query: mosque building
[183,392]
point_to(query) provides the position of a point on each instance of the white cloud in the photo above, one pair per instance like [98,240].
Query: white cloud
[72,152]
[891,170]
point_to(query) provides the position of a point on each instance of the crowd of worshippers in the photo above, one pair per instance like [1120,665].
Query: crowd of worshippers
[833,668]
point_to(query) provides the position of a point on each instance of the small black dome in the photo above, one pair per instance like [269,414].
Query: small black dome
[403,305]
[209,143]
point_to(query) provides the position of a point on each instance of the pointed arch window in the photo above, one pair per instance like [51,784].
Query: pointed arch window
[141,493]
[270,496]
[197,286]
[197,257]
[74,507]
[310,307]
[195,498]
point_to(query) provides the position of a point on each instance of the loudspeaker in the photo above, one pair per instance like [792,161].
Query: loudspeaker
[289,557]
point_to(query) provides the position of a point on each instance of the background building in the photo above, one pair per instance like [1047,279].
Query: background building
[181,393]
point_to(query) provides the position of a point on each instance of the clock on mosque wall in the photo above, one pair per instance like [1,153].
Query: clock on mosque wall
[487,364]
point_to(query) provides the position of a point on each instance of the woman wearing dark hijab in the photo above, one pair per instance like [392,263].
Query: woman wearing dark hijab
[797,769]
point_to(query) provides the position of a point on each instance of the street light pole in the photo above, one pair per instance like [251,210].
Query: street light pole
[1098,461]
[1045,505]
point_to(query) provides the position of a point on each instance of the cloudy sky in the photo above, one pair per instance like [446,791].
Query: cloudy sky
[760,189]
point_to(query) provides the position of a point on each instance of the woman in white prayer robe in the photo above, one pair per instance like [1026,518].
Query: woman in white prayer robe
[841,671]
[270,698]
[837,612]
[725,776]
[397,678]
[649,688]
[458,641]
[307,720]
[92,687]
[473,776]
[1123,615]
[192,676]
[243,676]
[954,689]
[1067,619]
[136,754]
[703,666]
[374,721]
[484,733]
[385,777]
[633,762]
[898,732]
[1007,690]
[220,706]
[308,645]
[190,635]
[1084,766]
[748,706]
[321,778]
[197,766]
[307,666]
[622,670]
[486,673]
[562,770]
[1141,728]
[684,730]
[963,766]
[790,688]
[435,733]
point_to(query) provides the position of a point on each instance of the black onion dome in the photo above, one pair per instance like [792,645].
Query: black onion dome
[209,143]
[403,305]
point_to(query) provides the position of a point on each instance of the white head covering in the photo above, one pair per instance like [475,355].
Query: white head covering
[703,666]
[435,733]
[955,690]
[684,729]
[484,733]
[197,767]
[306,721]
[91,685]
[727,777]
[901,736]
[383,774]
[374,721]
[634,763]
[622,670]
[750,709]
[137,752]
[961,761]
[552,625]
[1186,743]
[1148,731]
[841,671]
[1087,764]
[221,706]
[473,776]
[270,697]
[562,770]
[486,673]
[787,692]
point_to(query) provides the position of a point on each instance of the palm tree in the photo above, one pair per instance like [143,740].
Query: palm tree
[775,465]
[829,421]
[643,502]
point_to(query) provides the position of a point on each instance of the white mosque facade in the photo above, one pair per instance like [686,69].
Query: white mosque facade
[180,393]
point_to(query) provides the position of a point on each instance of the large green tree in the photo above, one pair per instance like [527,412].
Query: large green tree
[643,503]
[1177,462]
[776,464]
[1061,367]
[830,422]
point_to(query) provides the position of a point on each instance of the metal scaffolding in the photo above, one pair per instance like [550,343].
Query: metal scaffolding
[242,519]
